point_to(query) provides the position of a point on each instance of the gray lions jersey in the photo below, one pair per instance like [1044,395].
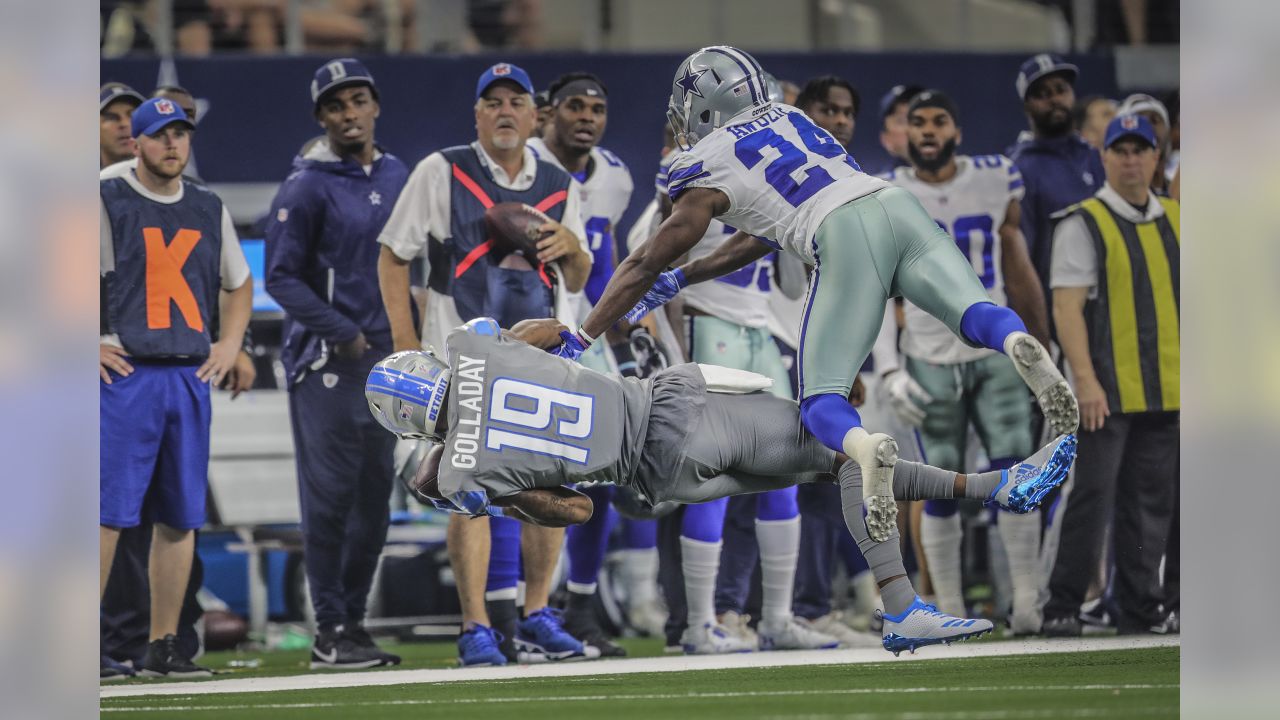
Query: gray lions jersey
[521,418]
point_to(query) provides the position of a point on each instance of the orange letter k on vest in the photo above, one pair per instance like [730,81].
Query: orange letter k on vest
[165,281]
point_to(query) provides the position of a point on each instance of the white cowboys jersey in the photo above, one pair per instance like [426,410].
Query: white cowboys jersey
[971,207]
[742,296]
[782,174]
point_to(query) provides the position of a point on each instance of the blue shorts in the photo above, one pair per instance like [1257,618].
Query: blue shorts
[154,430]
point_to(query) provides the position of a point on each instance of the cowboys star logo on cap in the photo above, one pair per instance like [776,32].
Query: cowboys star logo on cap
[164,107]
[1129,122]
[502,69]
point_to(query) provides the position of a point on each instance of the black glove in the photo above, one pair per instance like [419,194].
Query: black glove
[649,357]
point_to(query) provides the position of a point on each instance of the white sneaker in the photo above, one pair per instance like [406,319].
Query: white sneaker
[794,634]
[1035,366]
[922,624]
[647,618]
[833,624]
[739,627]
[712,638]
[876,454]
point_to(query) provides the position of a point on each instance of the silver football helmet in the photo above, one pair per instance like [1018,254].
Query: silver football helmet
[773,88]
[711,87]
[406,392]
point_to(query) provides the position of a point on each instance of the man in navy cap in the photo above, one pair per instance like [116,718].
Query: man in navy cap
[893,125]
[1115,297]
[169,256]
[440,217]
[321,266]
[1058,167]
[116,101]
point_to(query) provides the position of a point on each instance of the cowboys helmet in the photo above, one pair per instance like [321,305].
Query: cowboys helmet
[406,393]
[711,87]
[773,88]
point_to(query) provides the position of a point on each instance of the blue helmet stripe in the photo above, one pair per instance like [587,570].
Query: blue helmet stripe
[389,387]
[745,70]
[759,78]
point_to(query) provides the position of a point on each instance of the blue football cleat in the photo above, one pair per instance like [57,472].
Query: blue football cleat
[1024,485]
[922,624]
[478,647]
[541,637]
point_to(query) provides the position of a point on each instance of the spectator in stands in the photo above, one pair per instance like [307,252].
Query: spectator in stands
[157,361]
[893,125]
[1115,290]
[321,266]
[116,101]
[440,215]
[1091,116]
[1057,165]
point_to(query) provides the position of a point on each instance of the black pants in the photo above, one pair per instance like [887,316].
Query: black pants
[671,575]
[738,581]
[1129,470]
[345,473]
[125,618]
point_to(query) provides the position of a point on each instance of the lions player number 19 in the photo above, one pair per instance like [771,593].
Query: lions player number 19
[529,407]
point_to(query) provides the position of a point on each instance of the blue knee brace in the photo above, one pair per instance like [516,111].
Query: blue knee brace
[989,324]
[829,417]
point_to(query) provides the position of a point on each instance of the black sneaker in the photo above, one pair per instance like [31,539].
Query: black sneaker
[1061,627]
[164,660]
[334,650]
[113,671]
[585,627]
[358,635]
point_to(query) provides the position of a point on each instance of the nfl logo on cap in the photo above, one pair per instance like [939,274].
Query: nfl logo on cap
[164,107]
[501,69]
[1129,122]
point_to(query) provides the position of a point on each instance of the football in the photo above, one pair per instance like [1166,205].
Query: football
[424,484]
[513,227]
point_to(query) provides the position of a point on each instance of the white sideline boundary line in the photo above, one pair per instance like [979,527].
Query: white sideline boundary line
[676,663]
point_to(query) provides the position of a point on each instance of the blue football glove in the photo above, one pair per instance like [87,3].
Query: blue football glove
[571,347]
[668,285]
[476,504]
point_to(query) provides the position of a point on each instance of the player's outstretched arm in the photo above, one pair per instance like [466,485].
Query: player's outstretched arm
[737,252]
[690,216]
[548,507]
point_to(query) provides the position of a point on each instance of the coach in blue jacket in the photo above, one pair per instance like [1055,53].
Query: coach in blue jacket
[322,257]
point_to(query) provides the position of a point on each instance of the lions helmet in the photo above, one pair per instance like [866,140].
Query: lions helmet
[406,393]
[711,87]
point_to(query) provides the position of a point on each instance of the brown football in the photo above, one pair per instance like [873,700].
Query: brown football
[513,227]
[425,483]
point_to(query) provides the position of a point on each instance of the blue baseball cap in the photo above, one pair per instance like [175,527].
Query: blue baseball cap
[1124,126]
[1037,66]
[114,91]
[337,74]
[897,94]
[155,114]
[504,71]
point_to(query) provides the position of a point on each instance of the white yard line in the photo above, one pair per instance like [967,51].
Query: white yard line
[678,663]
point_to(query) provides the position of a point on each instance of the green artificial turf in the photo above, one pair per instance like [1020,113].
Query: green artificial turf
[1103,684]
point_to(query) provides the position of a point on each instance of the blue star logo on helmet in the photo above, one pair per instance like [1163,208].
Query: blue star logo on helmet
[689,83]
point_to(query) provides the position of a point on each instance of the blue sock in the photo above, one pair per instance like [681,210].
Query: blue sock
[777,505]
[639,534]
[704,522]
[829,417]
[504,556]
[587,542]
[989,324]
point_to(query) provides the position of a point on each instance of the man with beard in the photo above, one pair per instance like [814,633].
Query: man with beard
[1058,167]
[948,386]
[321,266]
[167,248]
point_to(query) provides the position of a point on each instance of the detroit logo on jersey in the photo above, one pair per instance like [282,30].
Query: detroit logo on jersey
[469,380]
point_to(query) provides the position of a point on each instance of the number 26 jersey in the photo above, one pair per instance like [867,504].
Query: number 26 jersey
[782,174]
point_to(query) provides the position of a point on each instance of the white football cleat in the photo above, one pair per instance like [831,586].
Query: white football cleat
[833,624]
[1050,388]
[794,635]
[876,454]
[712,638]
[739,626]
[922,624]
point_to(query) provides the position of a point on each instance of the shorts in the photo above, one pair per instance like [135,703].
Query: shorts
[154,446]
[718,342]
[988,393]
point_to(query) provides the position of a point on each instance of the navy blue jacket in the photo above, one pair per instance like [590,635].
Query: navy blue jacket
[322,253]
[1058,173]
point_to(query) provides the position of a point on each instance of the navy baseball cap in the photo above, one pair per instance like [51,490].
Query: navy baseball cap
[114,91]
[339,74]
[897,94]
[503,71]
[1038,66]
[155,114]
[1130,126]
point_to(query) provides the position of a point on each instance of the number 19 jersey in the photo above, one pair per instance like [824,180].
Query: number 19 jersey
[971,207]
[781,172]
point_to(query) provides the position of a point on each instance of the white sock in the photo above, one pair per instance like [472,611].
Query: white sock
[700,562]
[851,440]
[1021,537]
[940,537]
[638,571]
[582,588]
[779,542]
